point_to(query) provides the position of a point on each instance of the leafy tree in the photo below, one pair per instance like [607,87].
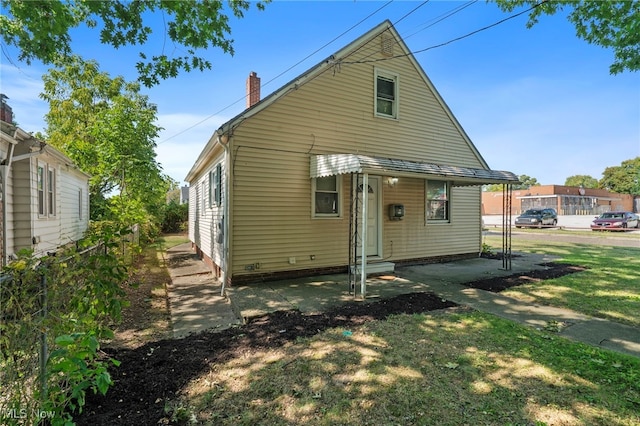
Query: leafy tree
[107,128]
[525,183]
[623,179]
[40,30]
[610,24]
[584,181]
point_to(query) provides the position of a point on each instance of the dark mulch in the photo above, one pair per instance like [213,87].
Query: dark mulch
[552,270]
[155,372]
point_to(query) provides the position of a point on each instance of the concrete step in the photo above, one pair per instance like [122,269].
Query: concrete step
[375,268]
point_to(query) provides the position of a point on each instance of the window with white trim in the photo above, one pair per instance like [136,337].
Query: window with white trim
[51,191]
[80,203]
[386,91]
[42,205]
[326,196]
[437,200]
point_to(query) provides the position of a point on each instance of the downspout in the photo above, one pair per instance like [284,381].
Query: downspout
[6,165]
[224,141]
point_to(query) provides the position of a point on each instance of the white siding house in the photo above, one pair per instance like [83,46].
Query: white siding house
[359,151]
[45,197]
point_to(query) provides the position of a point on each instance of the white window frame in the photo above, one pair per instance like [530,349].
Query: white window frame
[41,188]
[51,191]
[80,204]
[447,202]
[337,191]
[395,78]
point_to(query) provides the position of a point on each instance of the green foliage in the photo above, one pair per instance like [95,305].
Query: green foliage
[175,217]
[41,30]
[584,181]
[526,182]
[623,179]
[610,24]
[107,128]
[69,301]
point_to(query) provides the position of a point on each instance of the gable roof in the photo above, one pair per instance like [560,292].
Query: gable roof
[334,60]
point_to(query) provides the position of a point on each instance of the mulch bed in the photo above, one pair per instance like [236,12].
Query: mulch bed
[155,372]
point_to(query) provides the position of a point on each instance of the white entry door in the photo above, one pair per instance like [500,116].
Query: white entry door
[373,217]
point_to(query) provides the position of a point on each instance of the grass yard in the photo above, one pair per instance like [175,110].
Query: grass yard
[609,289]
[466,368]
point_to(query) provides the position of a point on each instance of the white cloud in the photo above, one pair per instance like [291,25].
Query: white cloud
[23,87]
[182,140]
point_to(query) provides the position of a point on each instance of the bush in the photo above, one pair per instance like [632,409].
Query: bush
[175,217]
[55,310]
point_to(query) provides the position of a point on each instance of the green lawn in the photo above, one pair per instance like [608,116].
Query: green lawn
[464,368]
[467,368]
[167,241]
[609,289]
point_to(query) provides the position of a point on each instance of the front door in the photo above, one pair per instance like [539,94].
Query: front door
[373,217]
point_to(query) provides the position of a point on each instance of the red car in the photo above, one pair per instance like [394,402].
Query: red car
[615,221]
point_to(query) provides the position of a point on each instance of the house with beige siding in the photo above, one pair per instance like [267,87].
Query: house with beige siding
[45,197]
[358,151]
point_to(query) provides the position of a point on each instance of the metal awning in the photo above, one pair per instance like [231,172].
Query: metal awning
[337,164]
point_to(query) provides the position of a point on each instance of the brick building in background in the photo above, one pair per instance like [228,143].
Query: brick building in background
[567,200]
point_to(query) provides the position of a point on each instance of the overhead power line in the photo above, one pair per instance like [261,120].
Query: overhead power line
[447,42]
[279,75]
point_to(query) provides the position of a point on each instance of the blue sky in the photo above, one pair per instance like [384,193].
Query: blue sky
[538,101]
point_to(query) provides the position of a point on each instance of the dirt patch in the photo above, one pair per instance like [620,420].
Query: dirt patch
[153,372]
[147,318]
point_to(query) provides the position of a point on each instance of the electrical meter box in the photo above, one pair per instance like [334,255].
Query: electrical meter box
[396,211]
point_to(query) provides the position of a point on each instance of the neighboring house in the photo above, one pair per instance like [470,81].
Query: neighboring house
[45,197]
[278,191]
[566,200]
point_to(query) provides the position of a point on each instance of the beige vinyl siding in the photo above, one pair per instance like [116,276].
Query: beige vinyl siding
[22,206]
[272,215]
[411,238]
[334,113]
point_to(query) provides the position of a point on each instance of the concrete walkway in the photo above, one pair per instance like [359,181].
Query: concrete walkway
[196,303]
[194,295]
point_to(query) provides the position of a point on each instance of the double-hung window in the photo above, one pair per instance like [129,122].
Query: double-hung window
[46,187]
[326,196]
[386,89]
[51,191]
[42,204]
[437,198]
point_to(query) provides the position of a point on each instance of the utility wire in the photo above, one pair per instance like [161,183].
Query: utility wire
[282,73]
[450,41]
[442,17]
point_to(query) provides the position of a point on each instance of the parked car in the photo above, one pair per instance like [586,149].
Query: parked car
[537,218]
[615,221]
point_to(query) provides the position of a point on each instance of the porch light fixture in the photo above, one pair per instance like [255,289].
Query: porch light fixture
[392,181]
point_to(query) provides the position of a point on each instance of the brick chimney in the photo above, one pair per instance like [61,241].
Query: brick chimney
[253,89]
[6,113]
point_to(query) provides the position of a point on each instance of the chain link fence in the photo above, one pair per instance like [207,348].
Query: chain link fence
[53,312]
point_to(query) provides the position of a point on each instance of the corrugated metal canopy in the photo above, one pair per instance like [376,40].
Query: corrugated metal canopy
[337,164]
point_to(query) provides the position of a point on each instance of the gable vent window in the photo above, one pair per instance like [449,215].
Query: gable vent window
[387,44]
[386,94]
